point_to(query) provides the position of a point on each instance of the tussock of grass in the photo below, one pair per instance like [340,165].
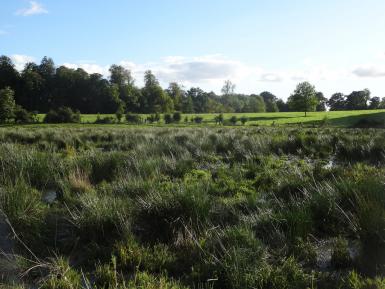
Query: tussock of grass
[220,208]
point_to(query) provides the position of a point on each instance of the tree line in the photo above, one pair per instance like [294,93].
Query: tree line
[43,87]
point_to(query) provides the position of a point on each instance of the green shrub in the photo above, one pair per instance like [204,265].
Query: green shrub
[133,118]
[219,119]
[177,116]
[168,118]
[62,115]
[198,119]
[153,118]
[23,116]
[243,120]
[233,120]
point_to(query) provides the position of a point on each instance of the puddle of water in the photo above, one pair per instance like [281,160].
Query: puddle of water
[50,196]
[6,243]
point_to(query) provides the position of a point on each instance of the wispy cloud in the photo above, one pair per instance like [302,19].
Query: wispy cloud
[3,32]
[370,71]
[271,77]
[33,9]
[210,71]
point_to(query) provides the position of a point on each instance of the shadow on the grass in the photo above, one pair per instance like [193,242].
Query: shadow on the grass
[370,120]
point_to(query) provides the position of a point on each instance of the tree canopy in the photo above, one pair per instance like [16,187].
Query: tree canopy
[7,104]
[44,86]
[304,98]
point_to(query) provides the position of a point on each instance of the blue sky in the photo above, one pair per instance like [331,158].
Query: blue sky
[338,45]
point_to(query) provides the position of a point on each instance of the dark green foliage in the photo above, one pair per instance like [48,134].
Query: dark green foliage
[167,118]
[62,115]
[219,119]
[7,104]
[304,98]
[133,118]
[23,116]
[233,120]
[153,118]
[177,116]
[120,112]
[243,120]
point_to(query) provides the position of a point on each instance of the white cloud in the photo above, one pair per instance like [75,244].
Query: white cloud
[20,60]
[200,69]
[89,67]
[271,77]
[33,9]
[210,72]
[370,71]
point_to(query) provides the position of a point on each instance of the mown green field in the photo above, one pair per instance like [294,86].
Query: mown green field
[333,118]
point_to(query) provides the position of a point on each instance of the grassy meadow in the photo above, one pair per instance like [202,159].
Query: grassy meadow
[192,207]
[332,118]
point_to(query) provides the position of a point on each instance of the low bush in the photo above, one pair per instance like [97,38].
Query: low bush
[62,115]
[177,116]
[133,118]
[23,116]
[167,118]
[233,120]
[198,119]
[153,118]
[243,120]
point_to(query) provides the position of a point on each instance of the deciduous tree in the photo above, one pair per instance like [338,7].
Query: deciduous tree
[304,98]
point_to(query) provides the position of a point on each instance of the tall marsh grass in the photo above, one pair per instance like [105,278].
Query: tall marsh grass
[220,208]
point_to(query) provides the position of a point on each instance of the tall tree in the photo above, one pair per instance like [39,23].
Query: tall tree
[7,104]
[375,102]
[120,75]
[154,98]
[188,104]
[337,102]
[9,76]
[228,88]
[322,100]
[128,93]
[358,100]
[282,106]
[255,104]
[47,71]
[382,103]
[177,94]
[199,98]
[32,84]
[270,101]
[304,98]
